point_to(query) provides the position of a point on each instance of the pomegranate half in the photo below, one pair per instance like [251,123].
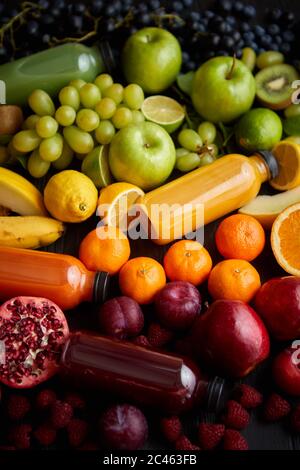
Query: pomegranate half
[32,333]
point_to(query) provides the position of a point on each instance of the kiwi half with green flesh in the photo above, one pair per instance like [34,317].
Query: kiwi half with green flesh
[274,85]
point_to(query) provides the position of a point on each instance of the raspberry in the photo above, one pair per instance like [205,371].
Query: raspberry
[17,407]
[75,400]
[295,419]
[159,336]
[45,399]
[45,435]
[235,416]
[183,443]
[210,435]
[233,440]
[276,408]
[171,428]
[77,432]
[142,341]
[61,414]
[20,436]
[248,396]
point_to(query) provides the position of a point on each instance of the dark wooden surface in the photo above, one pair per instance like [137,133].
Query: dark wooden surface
[258,434]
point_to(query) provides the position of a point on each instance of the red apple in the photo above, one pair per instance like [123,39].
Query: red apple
[231,338]
[278,303]
[286,371]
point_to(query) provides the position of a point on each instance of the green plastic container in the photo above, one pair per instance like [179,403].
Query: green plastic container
[50,70]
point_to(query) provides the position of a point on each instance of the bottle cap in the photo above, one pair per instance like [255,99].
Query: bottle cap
[218,393]
[101,287]
[108,56]
[271,161]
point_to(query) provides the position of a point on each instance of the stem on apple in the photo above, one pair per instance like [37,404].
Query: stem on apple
[229,76]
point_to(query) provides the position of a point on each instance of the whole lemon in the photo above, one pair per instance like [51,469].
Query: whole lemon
[70,196]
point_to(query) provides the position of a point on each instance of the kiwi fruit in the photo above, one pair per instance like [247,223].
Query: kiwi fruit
[274,85]
[11,119]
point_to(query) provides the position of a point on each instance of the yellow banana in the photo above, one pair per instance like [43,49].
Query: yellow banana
[29,231]
[19,195]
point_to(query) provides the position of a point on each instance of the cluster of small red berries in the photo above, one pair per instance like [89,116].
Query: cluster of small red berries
[234,418]
[55,417]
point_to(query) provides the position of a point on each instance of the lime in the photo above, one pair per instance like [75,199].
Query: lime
[259,129]
[166,112]
[291,125]
[185,82]
[95,166]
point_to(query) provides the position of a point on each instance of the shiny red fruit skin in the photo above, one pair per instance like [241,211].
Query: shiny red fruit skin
[278,303]
[286,372]
[231,338]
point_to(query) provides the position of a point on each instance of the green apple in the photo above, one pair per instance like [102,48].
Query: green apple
[152,58]
[223,89]
[142,154]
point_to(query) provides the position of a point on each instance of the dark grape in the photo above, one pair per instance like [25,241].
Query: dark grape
[225,5]
[238,7]
[259,30]
[79,8]
[96,7]
[215,40]
[230,20]
[228,42]
[46,39]
[266,40]
[154,4]
[209,14]
[177,6]
[236,35]
[60,4]
[32,28]
[273,29]
[195,15]
[76,22]
[44,4]
[287,18]
[249,36]
[288,36]
[249,11]
[145,19]
[275,14]
[245,27]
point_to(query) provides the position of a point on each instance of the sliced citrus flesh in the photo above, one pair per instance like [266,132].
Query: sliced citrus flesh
[285,240]
[164,111]
[115,202]
[95,166]
[287,155]
[265,209]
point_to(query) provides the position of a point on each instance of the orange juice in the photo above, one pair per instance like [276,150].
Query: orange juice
[204,195]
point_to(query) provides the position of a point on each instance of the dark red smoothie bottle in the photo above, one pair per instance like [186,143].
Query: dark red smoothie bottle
[168,382]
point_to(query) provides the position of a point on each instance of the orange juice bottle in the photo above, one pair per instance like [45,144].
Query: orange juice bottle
[202,196]
[57,277]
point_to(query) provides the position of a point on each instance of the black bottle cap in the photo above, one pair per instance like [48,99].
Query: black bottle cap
[101,287]
[108,56]
[218,393]
[271,161]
